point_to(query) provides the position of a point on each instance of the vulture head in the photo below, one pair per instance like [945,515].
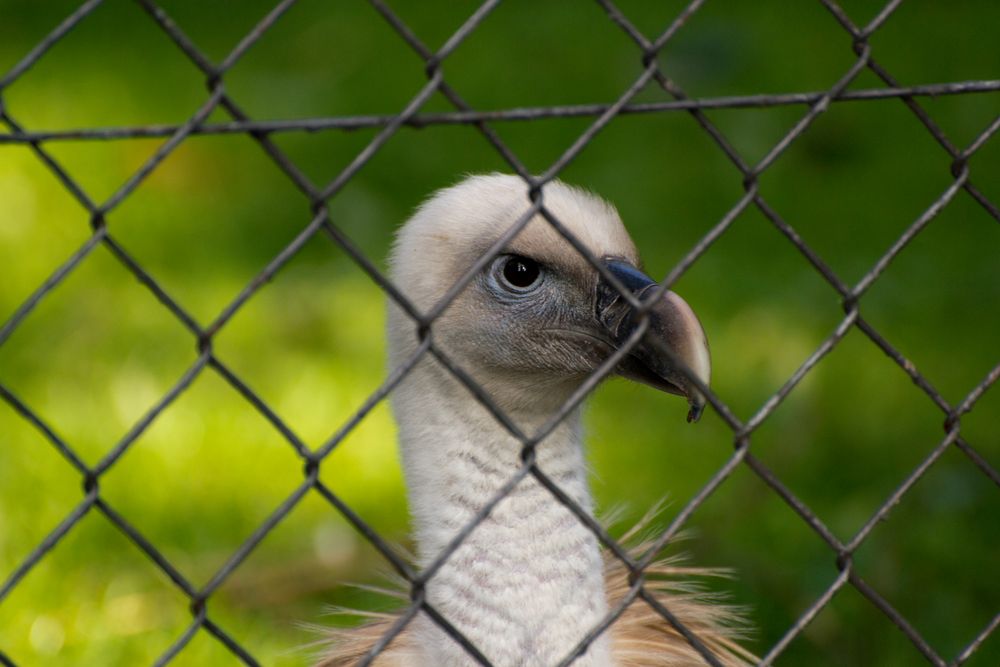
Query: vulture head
[540,318]
[528,583]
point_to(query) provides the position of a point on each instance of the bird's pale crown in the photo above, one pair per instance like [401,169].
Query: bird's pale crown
[461,222]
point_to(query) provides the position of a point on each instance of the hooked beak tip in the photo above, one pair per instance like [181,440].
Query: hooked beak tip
[696,411]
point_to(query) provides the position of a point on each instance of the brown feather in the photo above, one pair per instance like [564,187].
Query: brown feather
[640,636]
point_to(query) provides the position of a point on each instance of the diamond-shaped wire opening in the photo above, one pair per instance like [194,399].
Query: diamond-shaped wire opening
[124,607]
[946,308]
[801,435]
[118,369]
[198,539]
[43,211]
[333,58]
[64,90]
[931,591]
[488,67]
[209,193]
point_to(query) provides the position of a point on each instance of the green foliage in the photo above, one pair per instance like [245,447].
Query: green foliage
[99,351]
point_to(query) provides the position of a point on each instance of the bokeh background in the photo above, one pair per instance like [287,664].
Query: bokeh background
[99,351]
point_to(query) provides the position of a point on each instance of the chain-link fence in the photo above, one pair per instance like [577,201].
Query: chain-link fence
[857,38]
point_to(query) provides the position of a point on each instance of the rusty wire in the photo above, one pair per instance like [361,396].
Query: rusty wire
[856,38]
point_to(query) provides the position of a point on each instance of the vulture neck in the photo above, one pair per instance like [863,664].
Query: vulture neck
[527,584]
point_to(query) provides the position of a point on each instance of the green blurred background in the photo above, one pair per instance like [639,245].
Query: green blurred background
[99,351]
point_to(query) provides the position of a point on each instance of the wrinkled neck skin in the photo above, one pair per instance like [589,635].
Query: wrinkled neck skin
[527,584]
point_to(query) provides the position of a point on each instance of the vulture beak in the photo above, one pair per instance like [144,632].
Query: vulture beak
[673,341]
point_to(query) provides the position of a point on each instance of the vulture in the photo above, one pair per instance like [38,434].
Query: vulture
[530,581]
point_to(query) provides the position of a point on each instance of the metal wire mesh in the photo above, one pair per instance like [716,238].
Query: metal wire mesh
[856,37]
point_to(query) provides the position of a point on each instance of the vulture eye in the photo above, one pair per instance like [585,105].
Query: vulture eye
[517,274]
